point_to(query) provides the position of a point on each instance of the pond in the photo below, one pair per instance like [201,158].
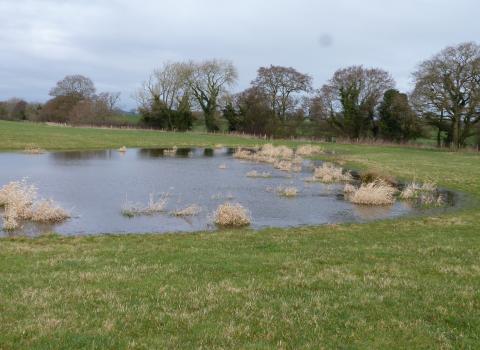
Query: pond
[94,185]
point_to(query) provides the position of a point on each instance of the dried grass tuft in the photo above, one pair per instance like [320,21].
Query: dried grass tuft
[49,211]
[222,166]
[287,191]
[191,210]
[329,173]
[231,215]
[374,193]
[349,189]
[309,150]
[33,149]
[170,152]
[153,207]
[254,173]
[19,200]
[122,149]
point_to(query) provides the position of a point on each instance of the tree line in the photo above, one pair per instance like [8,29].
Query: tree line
[355,103]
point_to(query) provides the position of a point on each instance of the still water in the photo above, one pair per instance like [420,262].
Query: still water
[94,185]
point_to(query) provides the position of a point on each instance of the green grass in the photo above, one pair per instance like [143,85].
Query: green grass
[411,283]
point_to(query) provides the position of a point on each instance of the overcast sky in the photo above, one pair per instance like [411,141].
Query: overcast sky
[117,43]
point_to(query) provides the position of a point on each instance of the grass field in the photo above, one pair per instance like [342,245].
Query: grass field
[411,283]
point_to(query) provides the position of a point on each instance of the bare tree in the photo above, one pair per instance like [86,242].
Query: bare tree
[447,91]
[167,84]
[74,85]
[351,97]
[109,100]
[207,81]
[280,84]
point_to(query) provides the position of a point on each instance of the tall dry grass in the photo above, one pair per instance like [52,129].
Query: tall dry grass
[329,173]
[19,200]
[257,174]
[154,206]
[191,210]
[373,193]
[289,191]
[231,215]
[308,150]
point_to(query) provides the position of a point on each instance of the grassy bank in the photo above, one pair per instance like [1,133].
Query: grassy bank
[407,283]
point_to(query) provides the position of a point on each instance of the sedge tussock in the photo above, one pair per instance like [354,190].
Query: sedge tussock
[415,190]
[374,193]
[266,154]
[231,215]
[122,149]
[257,174]
[33,149]
[19,200]
[191,210]
[289,191]
[154,206]
[349,188]
[222,166]
[329,173]
[308,150]
[49,211]
[171,151]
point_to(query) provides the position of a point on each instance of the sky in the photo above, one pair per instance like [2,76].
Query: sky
[117,43]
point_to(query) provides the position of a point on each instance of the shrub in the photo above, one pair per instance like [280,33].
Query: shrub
[374,193]
[231,215]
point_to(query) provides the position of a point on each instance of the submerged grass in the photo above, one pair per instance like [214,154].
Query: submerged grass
[409,283]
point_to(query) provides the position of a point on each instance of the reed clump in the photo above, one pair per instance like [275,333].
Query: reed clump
[329,173]
[288,191]
[33,149]
[257,174]
[231,215]
[19,200]
[378,192]
[171,151]
[309,150]
[154,206]
[191,210]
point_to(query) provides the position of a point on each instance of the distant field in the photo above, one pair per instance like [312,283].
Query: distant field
[410,283]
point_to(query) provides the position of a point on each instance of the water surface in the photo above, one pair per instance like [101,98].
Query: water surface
[94,185]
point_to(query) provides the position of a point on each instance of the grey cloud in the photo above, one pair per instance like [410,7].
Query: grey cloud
[117,43]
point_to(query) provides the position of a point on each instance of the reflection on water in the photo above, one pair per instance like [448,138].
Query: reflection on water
[93,185]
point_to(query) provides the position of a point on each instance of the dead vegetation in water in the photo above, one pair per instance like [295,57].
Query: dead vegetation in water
[171,151]
[288,191]
[222,166]
[378,192]
[154,206]
[257,174]
[231,215]
[329,173]
[19,201]
[425,194]
[309,150]
[122,149]
[33,149]
[191,210]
